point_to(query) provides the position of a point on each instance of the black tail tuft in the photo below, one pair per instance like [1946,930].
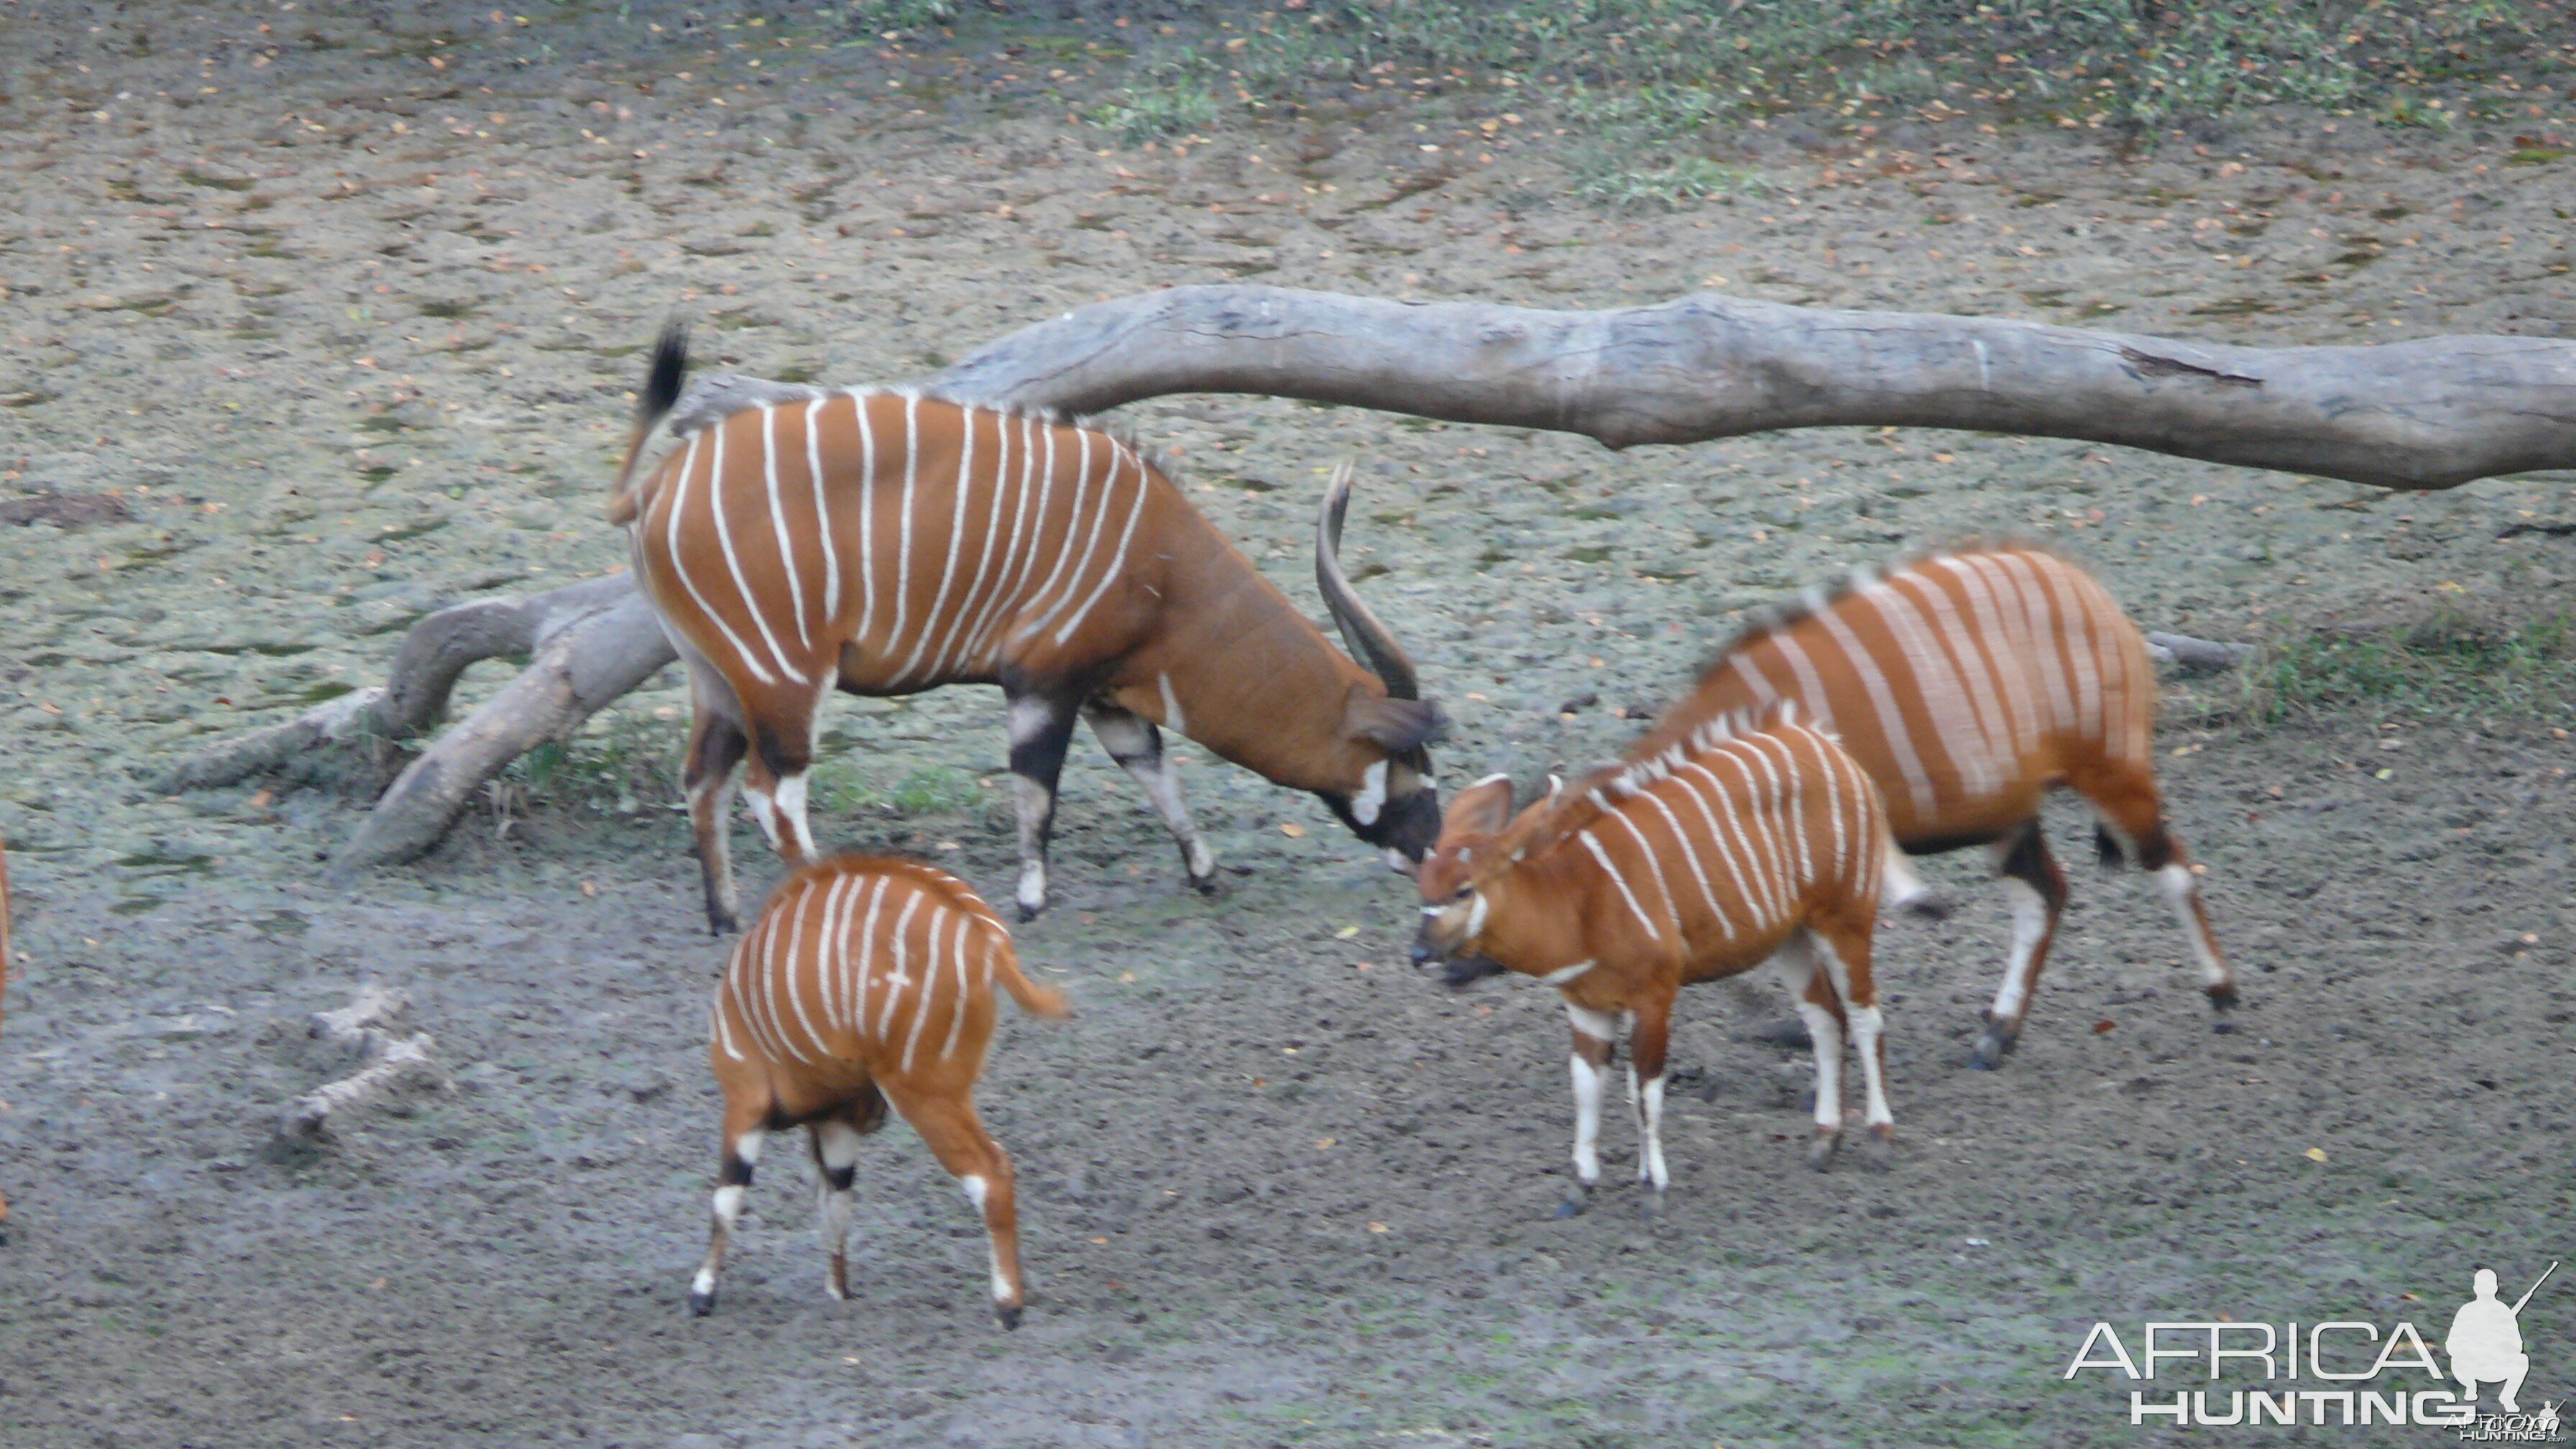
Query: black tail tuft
[2107,847]
[662,383]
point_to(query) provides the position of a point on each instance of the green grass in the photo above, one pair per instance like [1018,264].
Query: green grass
[840,789]
[2448,667]
[1643,81]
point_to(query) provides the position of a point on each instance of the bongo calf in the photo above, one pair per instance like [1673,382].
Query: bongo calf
[866,982]
[1738,842]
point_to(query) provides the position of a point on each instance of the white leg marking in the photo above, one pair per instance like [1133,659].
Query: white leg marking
[796,831]
[1867,1025]
[1650,1119]
[2184,892]
[764,812]
[973,1184]
[1587,1119]
[2030,922]
[1828,1035]
[1902,884]
[1173,719]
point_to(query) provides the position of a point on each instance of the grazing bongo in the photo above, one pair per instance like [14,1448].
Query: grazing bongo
[866,982]
[884,543]
[1739,841]
[1968,684]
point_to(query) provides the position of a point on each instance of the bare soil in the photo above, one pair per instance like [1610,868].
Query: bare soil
[316,318]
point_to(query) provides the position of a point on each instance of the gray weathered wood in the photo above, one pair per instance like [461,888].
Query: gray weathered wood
[2428,414]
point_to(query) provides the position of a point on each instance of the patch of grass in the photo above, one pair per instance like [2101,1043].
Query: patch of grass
[1170,102]
[625,761]
[2139,63]
[2450,666]
[838,788]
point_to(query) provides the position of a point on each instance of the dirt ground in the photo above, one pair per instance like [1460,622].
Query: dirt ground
[317,318]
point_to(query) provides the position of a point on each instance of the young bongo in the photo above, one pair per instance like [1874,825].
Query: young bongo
[866,982]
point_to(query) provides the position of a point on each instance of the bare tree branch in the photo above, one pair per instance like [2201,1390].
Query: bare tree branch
[394,1064]
[2414,415]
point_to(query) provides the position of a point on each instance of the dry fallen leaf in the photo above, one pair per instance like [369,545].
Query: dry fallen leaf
[1345,933]
[2316,1154]
[1292,830]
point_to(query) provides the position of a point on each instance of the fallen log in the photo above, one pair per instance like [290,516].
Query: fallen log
[2427,414]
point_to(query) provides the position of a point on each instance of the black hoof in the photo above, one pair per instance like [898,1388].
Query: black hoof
[1007,1315]
[1991,1049]
[701,1304]
[722,923]
[1027,913]
[2222,998]
[1654,1204]
[1820,1152]
[1204,884]
[1878,1149]
[1930,907]
[1574,1203]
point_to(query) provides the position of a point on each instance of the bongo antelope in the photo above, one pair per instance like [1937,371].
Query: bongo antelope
[889,542]
[1967,684]
[865,982]
[1739,841]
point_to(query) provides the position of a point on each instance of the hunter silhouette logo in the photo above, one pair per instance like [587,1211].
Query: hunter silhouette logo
[2485,1342]
[2337,1372]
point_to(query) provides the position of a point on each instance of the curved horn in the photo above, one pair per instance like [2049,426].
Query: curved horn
[1369,641]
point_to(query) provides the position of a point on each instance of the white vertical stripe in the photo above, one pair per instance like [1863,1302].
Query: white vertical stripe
[957,1004]
[823,535]
[1091,542]
[1064,547]
[1958,644]
[2009,665]
[929,979]
[831,956]
[1655,868]
[867,516]
[1737,880]
[902,957]
[671,550]
[867,958]
[1117,564]
[963,487]
[733,560]
[778,521]
[1891,719]
[903,554]
[794,972]
[1691,857]
[971,606]
[1621,882]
